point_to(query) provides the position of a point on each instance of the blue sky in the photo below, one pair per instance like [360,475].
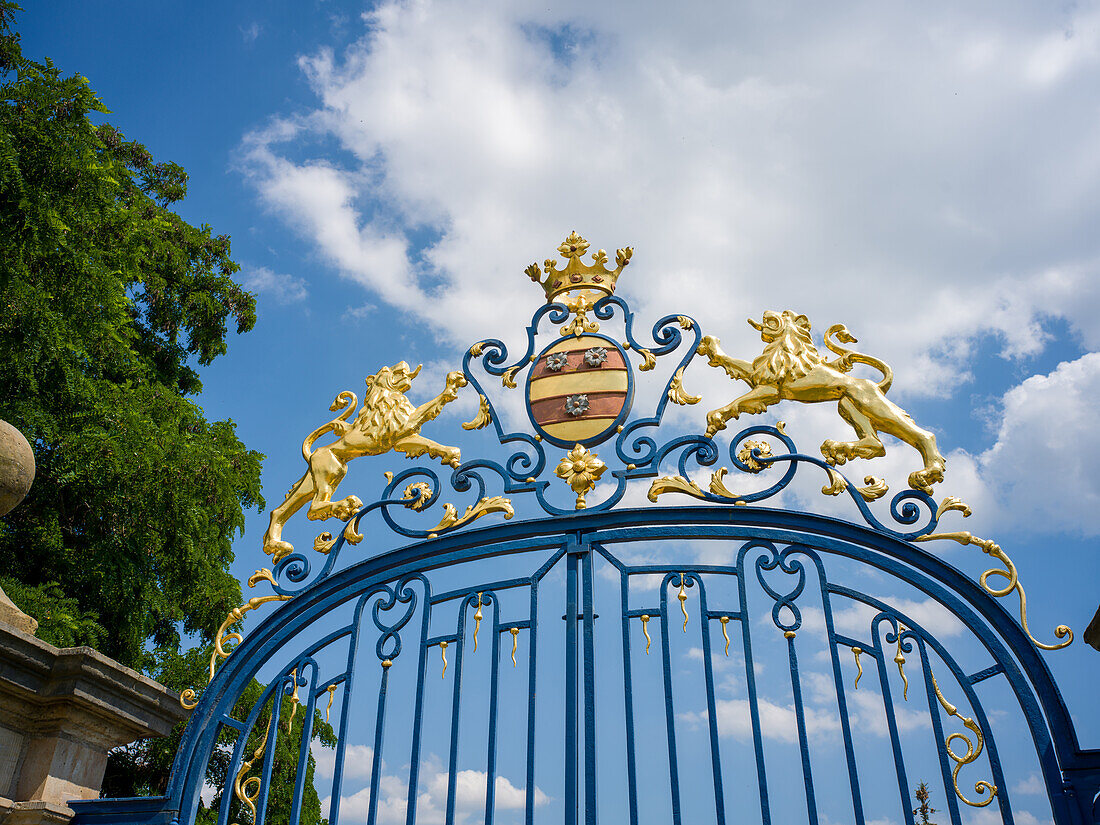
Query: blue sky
[928,175]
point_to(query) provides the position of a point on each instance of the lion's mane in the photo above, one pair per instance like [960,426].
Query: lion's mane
[787,358]
[385,411]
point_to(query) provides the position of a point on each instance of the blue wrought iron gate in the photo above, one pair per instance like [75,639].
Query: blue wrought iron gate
[720,662]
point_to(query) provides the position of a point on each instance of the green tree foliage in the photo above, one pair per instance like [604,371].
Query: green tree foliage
[142,768]
[109,301]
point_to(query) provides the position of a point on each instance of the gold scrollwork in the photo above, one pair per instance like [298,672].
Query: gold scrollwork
[331,695]
[483,418]
[478,616]
[188,698]
[676,393]
[725,620]
[972,751]
[293,700]
[649,362]
[1009,574]
[899,660]
[248,790]
[682,596]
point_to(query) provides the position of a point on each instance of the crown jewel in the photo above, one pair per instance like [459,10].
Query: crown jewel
[585,279]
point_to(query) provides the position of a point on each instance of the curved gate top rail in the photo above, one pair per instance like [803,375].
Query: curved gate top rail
[579,393]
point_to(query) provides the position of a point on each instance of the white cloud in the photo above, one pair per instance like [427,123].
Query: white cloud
[855,619]
[1032,785]
[285,289]
[470,788]
[1043,464]
[726,163]
[853,166]
[358,761]
[992,816]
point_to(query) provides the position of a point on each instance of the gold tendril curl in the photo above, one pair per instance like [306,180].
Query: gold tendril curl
[973,751]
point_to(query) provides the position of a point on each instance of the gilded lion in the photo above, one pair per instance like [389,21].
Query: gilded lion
[387,421]
[791,368]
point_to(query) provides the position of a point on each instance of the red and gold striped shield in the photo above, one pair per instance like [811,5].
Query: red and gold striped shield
[579,390]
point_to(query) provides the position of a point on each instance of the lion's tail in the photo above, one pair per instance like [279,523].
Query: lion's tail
[842,334]
[346,401]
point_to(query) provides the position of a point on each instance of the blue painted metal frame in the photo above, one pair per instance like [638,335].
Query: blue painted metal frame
[393,585]
[777,545]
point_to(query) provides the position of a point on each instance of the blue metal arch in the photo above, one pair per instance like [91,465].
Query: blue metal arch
[1044,710]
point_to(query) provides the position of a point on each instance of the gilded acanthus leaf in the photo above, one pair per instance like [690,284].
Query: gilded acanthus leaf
[676,392]
[718,487]
[483,418]
[493,504]
[952,503]
[650,360]
[674,484]
[509,378]
[876,488]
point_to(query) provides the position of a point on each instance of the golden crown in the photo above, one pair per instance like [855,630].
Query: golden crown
[576,275]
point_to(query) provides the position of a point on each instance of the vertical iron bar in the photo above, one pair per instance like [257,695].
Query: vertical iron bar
[842,704]
[892,725]
[269,758]
[800,718]
[670,713]
[303,748]
[379,729]
[571,800]
[452,772]
[750,684]
[491,757]
[628,701]
[345,708]
[230,776]
[712,710]
[937,733]
[418,709]
[589,693]
[529,812]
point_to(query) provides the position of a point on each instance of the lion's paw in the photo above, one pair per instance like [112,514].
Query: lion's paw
[278,549]
[715,422]
[708,347]
[834,451]
[924,479]
[346,508]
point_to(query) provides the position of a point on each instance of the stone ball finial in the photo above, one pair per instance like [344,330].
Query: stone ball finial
[16,467]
